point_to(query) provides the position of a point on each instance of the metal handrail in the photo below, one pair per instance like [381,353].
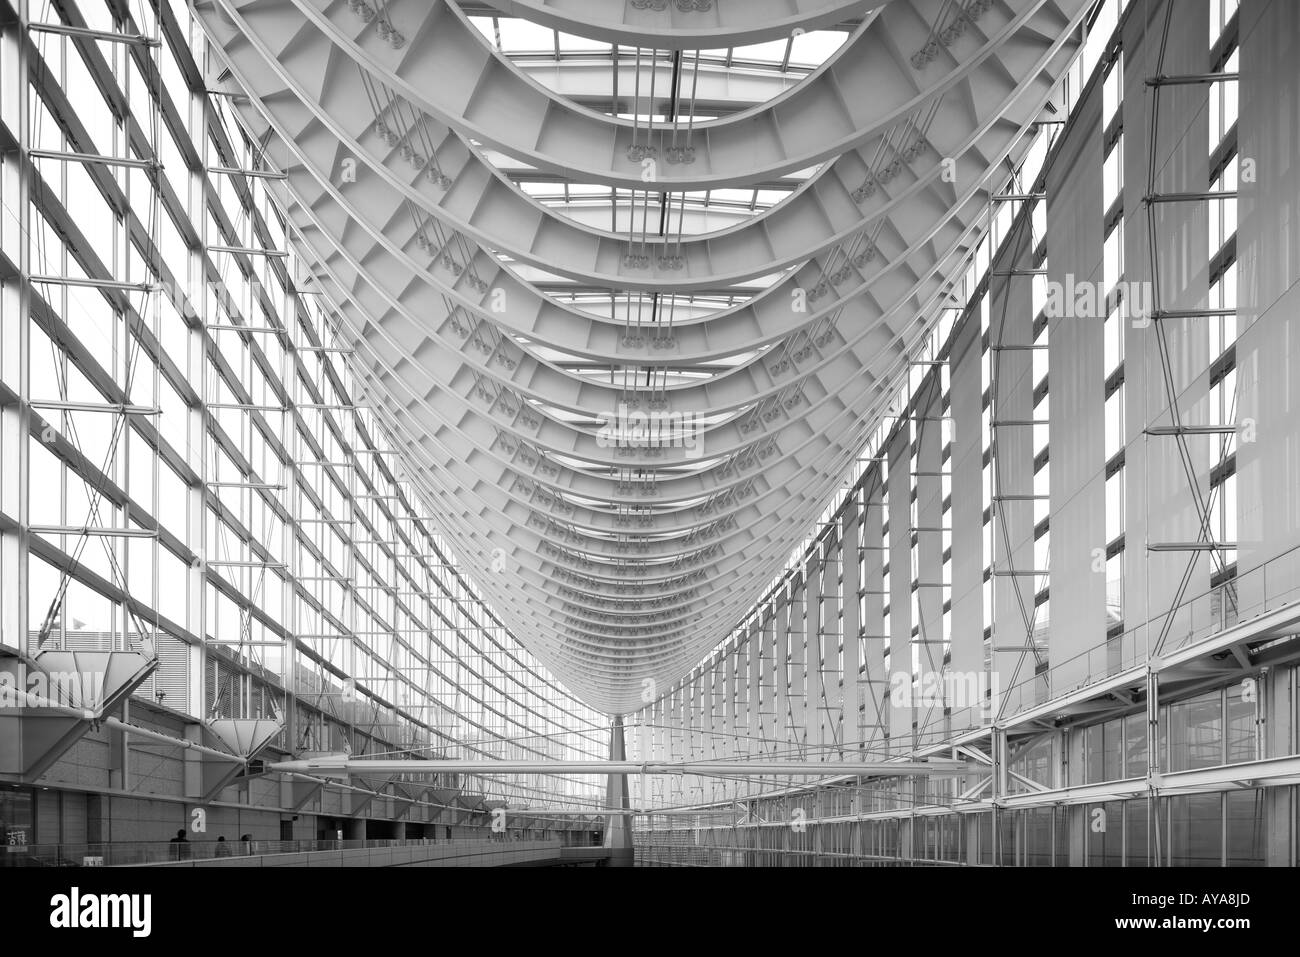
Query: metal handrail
[1207,614]
[135,853]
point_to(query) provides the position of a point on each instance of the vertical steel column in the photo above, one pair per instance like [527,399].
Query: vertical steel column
[759,690]
[15,343]
[740,720]
[1011,324]
[699,724]
[814,632]
[726,744]
[1076,359]
[1156,852]
[754,696]
[717,719]
[832,637]
[850,588]
[795,632]
[966,515]
[618,829]
[200,316]
[901,677]
[779,671]
[292,550]
[930,586]
[875,683]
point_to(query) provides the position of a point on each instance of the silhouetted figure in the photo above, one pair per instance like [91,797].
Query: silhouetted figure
[223,849]
[247,841]
[181,852]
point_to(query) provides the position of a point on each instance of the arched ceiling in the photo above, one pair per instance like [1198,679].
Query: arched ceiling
[632,352]
[686,24]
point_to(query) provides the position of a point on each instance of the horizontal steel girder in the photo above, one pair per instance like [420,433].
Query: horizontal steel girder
[343,764]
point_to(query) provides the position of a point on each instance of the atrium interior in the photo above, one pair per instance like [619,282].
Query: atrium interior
[658,433]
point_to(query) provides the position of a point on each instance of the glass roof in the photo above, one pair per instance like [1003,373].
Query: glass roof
[520,38]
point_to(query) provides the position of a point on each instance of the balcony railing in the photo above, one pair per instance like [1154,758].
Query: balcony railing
[136,853]
[1263,589]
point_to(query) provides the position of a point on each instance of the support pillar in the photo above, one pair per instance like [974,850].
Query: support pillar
[618,830]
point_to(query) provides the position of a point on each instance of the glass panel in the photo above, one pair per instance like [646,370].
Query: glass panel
[1195,830]
[1038,837]
[1112,752]
[1135,746]
[1092,754]
[1135,833]
[1241,721]
[1195,732]
[1246,815]
[1104,834]
[17,823]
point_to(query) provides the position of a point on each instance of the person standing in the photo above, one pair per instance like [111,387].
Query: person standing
[181,852]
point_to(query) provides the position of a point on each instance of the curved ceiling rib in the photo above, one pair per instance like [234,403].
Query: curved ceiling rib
[445,68]
[618,550]
[377,205]
[686,24]
[829,210]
